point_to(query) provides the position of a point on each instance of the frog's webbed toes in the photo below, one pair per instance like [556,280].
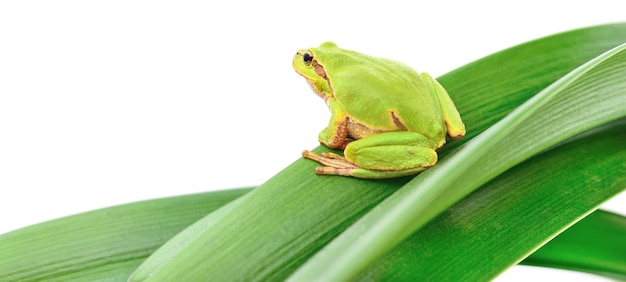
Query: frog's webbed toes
[334,164]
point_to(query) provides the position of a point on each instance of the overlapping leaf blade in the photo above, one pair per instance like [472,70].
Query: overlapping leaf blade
[106,244]
[596,244]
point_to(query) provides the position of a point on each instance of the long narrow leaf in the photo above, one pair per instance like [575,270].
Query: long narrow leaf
[596,244]
[104,244]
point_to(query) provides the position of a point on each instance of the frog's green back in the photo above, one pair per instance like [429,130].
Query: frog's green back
[370,89]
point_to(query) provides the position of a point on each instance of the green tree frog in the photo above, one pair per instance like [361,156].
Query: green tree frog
[388,118]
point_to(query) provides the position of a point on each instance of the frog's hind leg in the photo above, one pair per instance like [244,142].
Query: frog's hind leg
[384,155]
[337,165]
[391,154]
[393,157]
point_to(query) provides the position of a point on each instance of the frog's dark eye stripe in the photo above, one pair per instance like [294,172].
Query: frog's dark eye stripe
[307,58]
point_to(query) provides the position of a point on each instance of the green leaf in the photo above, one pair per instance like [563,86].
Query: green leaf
[106,244]
[596,244]
[279,225]
[587,246]
[501,223]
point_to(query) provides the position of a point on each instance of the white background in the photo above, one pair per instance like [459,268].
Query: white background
[110,102]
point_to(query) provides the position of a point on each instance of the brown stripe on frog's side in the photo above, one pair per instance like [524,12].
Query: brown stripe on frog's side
[398,121]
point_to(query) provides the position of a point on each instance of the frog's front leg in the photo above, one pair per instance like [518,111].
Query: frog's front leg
[335,136]
[383,155]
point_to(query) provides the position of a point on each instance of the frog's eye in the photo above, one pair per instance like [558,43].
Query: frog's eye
[307,58]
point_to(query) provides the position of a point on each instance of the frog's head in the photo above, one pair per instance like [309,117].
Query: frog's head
[310,64]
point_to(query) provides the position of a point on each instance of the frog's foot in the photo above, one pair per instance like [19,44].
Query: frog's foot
[334,164]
